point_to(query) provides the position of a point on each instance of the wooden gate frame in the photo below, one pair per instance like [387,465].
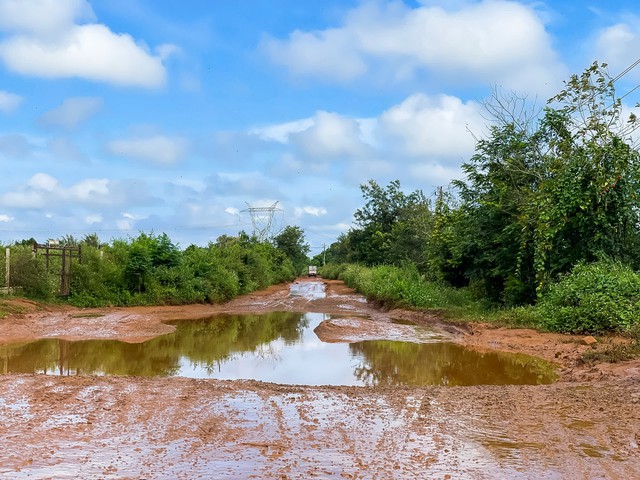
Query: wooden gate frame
[67,252]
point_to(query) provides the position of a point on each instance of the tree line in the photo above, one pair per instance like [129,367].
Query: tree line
[545,191]
[150,269]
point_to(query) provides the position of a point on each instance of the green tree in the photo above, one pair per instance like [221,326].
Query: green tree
[291,243]
[392,227]
[539,198]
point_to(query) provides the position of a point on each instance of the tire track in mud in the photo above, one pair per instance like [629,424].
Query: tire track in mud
[110,427]
[126,427]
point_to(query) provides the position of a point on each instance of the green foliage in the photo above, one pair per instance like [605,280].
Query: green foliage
[546,190]
[30,274]
[151,270]
[291,243]
[332,271]
[392,228]
[593,298]
[613,353]
[402,286]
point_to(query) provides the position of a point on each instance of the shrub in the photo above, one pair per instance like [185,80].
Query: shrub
[593,298]
[402,286]
[332,271]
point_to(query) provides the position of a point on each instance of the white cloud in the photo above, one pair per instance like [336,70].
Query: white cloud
[94,218]
[43,190]
[318,53]
[433,174]
[43,181]
[71,113]
[618,45]
[43,17]
[45,41]
[123,224]
[331,136]
[5,218]
[281,132]
[423,128]
[490,41]
[232,211]
[86,189]
[157,149]
[437,126]
[9,102]
[298,212]
[23,200]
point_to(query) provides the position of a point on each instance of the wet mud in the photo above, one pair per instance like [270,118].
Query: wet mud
[586,425]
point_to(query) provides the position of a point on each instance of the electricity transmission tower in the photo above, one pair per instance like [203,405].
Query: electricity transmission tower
[262,220]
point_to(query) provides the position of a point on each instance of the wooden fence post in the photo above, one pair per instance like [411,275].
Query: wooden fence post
[7,268]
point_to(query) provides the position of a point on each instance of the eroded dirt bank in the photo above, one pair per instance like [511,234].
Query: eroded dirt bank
[585,426]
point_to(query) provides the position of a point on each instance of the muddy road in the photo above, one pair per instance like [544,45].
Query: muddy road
[586,425]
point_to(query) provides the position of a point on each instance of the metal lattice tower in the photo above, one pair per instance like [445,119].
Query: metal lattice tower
[262,220]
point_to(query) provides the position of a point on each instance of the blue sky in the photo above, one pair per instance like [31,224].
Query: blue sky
[120,116]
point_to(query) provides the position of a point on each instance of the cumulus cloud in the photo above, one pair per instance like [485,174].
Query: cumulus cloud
[299,212]
[435,130]
[433,126]
[330,136]
[93,219]
[159,149]
[42,181]
[72,113]
[44,40]
[5,218]
[9,102]
[490,41]
[43,17]
[281,132]
[618,45]
[45,191]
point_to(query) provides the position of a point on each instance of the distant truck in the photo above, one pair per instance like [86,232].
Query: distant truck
[313,271]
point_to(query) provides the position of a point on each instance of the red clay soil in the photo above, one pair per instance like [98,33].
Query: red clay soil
[586,425]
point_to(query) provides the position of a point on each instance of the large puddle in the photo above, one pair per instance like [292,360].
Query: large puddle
[278,347]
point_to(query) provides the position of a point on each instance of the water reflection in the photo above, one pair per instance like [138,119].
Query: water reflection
[310,290]
[276,347]
[404,363]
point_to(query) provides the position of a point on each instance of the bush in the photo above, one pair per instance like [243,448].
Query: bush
[594,298]
[30,273]
[402,286]
[332,271]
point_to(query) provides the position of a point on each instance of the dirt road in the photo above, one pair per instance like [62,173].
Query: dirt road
[587,425]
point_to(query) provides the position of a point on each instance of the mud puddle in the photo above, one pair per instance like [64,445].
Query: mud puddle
[308,290]
[285,348]
[111,426]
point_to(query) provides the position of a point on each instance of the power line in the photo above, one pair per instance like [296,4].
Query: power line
[630,91]
[626,70]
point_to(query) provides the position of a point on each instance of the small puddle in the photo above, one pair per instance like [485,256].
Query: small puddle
[308,290]
[278,347]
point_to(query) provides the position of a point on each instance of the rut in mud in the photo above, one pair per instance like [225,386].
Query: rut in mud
[171,427]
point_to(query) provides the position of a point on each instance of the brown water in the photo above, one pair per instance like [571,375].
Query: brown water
[278,347]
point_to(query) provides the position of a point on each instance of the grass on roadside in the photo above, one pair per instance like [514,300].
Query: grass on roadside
[613,353]
[8,307]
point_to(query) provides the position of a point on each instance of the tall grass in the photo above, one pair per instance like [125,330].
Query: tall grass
[398,286]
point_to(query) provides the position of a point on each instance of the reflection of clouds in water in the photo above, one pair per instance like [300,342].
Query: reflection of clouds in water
[310,290]
[281,347]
